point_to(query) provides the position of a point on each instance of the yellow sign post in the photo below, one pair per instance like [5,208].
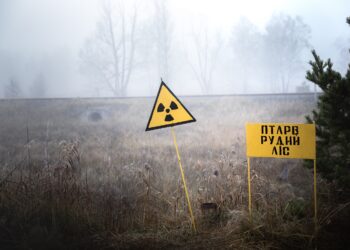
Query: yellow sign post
[281,140]
[168,111]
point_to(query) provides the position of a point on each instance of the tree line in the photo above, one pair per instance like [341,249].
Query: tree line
[132,45]
[122,46]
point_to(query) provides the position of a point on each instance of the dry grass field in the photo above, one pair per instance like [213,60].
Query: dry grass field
[84,174]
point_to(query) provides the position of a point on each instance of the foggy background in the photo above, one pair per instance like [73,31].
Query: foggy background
[83,48]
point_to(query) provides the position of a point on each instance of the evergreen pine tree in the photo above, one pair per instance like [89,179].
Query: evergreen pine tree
[332,119]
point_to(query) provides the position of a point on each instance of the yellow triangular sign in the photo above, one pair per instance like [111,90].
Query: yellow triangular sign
[168,110]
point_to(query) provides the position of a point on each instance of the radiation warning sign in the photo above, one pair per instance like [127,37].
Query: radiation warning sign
[168,110]
[281,140]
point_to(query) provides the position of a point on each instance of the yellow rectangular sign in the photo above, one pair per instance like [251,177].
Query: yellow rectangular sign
[281,140]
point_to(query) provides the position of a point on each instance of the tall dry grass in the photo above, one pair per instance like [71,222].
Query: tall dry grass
[70,182]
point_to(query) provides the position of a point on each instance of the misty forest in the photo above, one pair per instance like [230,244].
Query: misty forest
[79,82]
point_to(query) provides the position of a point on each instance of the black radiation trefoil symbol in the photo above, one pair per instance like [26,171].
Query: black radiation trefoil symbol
[168,117]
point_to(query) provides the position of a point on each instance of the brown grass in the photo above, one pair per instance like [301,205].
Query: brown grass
[69,182]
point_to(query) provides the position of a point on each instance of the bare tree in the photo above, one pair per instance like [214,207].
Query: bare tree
[343,54]
[245,43]
[38,88]
[12,89]
[285,40]
[205,57]
[110,52]
[163,37]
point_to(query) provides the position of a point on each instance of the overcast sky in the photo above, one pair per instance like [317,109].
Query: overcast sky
[31,28]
